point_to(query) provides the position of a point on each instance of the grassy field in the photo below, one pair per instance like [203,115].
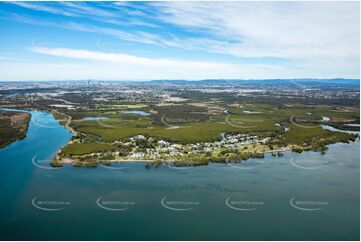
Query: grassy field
[267,121]
[87,148]
[120,126]
[112,129]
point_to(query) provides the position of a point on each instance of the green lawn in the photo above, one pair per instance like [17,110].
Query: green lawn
[120,126]
[86,148]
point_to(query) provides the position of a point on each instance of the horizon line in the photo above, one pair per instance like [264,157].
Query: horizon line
[187,80]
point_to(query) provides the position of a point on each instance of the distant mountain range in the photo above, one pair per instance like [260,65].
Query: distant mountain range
[206,82]
[262,82]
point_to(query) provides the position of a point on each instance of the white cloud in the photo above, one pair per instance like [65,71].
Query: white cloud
[279,29]
[86,10]
[139,36]
[86,64]
[302,31]
[120,58]
[316,39]
[43,8]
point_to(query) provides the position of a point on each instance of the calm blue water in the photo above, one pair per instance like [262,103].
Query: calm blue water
[263,199]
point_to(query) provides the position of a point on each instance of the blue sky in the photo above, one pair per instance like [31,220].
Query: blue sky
[178,40]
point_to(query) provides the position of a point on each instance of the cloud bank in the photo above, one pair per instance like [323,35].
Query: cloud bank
[214,39]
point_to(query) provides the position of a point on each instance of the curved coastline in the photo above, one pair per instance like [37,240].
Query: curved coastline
[33,114]
[123,160]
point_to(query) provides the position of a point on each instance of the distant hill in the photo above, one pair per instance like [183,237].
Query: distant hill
[263,82]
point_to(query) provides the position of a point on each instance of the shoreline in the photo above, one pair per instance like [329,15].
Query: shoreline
[24,133]
[256,154]
[70,161]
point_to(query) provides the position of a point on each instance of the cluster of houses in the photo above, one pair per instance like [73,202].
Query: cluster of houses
[164,149]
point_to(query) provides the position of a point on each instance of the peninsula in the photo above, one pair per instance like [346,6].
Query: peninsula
[194,123]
